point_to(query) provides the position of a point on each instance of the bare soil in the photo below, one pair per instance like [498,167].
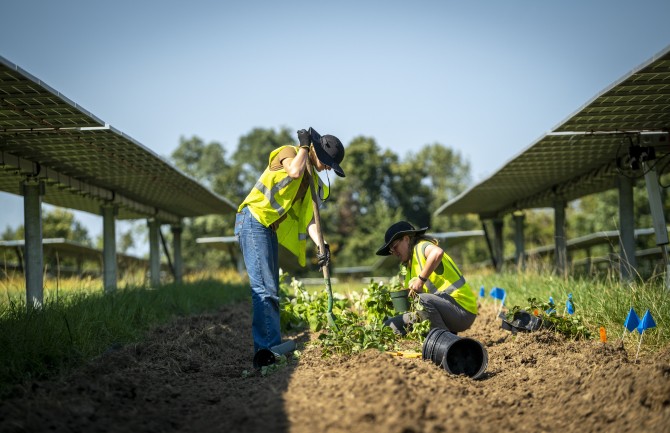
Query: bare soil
[188,377]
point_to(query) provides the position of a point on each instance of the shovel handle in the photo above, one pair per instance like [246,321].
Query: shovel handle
[317,216]
[322,246]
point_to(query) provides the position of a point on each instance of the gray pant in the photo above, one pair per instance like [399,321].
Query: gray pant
[441,309]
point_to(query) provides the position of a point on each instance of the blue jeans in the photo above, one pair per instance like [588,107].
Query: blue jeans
[261,256]
[441,309]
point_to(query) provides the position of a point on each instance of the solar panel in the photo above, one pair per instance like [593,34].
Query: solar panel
[584,154]
[85,163]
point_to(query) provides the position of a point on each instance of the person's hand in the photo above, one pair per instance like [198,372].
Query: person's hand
[415,285]
[303,137]
[323,259]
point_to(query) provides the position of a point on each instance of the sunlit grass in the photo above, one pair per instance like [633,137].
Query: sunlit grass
[598,301]
[78,321]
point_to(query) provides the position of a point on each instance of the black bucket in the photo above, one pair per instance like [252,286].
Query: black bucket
[269,356]
[457,355]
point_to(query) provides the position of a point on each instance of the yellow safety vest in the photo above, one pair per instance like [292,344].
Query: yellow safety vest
[273,197]
[446,277]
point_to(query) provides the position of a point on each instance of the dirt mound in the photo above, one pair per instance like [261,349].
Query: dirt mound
[190,376]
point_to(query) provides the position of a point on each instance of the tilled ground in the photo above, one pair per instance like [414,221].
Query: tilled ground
[189,377]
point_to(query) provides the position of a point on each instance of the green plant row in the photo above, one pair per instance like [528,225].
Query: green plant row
[359,318]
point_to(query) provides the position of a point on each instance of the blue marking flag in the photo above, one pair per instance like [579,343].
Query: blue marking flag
[551,306]
[631,320]
[646,322]
[482,292]
[497,293]
[569,306]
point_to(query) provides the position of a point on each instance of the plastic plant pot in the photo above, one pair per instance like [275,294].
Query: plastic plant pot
[457,355]
[400,300]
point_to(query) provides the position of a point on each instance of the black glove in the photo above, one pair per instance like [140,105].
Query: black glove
[323,259]
[303,136]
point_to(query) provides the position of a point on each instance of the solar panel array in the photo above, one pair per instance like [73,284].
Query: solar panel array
[586,153]
[84,163]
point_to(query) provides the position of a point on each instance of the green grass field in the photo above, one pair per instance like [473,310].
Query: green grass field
[78,321]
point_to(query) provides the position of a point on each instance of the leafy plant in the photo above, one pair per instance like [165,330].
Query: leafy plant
[571,326]
[354,334]
[359,318]
[377,302]
[303,309]
[419,331]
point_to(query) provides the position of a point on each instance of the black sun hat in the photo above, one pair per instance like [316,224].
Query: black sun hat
[401,228]
[329,150]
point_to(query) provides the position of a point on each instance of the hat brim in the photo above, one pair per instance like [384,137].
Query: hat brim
[386,249]
[323,155]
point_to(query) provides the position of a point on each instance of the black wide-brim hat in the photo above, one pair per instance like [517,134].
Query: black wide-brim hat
[399,229]
[329,150]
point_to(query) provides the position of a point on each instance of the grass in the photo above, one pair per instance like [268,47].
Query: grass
[79,322]
[603,301]
[598,301]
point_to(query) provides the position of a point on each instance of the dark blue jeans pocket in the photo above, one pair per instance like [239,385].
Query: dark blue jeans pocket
[239,222]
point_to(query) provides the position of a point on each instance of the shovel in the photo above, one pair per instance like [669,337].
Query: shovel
[317,222]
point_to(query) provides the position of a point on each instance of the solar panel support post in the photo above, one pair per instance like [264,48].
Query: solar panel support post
[658,218]
[33,190]
[627,258]
[167,253]
[560,240]
[494,262]
[154,253]
[109,212]
[178,270]
[519,241]
[498,242]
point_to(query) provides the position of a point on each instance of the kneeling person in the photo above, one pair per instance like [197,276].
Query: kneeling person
[446,298]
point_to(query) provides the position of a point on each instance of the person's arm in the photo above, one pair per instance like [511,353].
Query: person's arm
[295,167]
[433,260]
[313,233]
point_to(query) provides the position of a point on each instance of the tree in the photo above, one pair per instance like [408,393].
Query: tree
[253,153]
[381,189]
[9,234]
[447,175]
[231,178]
[358,206]
[57,223]
[60,223]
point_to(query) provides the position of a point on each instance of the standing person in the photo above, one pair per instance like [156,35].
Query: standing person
[279,210]
[447,300]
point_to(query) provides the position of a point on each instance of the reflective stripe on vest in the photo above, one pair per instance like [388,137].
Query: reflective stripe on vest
[273,194]
[273,197]
[270,193]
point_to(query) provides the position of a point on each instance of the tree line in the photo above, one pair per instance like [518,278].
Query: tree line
[381,187]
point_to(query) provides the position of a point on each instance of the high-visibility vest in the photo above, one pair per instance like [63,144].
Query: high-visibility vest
[446,277]
[273,196]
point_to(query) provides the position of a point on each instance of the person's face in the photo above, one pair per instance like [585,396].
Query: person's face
[400,248]
[318,165]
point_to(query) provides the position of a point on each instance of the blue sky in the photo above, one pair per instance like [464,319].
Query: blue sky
[486,78]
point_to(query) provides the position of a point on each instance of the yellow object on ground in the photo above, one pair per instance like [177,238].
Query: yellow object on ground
[405,354]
